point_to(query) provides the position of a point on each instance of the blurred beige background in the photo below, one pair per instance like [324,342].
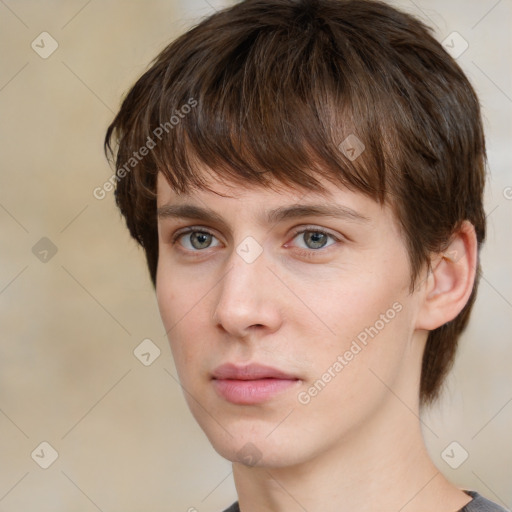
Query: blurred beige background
[75,305]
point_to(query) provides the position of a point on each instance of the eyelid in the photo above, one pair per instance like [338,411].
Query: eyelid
[190,229]
[317,229]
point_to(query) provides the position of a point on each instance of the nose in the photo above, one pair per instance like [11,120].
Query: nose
[248,298]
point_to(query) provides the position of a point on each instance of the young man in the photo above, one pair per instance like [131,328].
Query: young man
[306,180]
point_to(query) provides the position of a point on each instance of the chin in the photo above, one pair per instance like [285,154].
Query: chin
[258,449]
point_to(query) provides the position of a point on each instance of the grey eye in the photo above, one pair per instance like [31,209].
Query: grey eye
[200,240]
[315,239]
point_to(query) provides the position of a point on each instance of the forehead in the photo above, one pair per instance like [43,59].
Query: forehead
[218,189]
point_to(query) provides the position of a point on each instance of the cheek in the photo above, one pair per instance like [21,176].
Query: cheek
[354,306]
[177,293]
[352,375]
[365,325]
[182,300]
[175,302]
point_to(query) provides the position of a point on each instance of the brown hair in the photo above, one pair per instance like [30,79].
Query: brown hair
[265,91]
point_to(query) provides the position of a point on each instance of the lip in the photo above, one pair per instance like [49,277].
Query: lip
[250,384]
[251,371]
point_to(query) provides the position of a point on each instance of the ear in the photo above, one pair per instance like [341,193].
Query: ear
[449,283]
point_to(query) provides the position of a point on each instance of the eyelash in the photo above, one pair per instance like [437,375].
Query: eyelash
[308,253]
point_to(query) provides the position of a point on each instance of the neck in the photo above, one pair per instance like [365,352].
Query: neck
[383,465]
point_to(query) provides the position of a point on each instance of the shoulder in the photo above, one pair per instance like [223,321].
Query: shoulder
[478,504]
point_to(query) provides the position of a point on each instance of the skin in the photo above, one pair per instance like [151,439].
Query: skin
[357,444]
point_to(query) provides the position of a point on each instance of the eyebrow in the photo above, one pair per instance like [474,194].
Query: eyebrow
[294,211]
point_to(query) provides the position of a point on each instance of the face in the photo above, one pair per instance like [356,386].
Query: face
[288,314]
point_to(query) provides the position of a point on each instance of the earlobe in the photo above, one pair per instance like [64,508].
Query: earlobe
[450,281]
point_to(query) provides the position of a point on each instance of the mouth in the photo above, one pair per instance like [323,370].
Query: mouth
[250,384]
